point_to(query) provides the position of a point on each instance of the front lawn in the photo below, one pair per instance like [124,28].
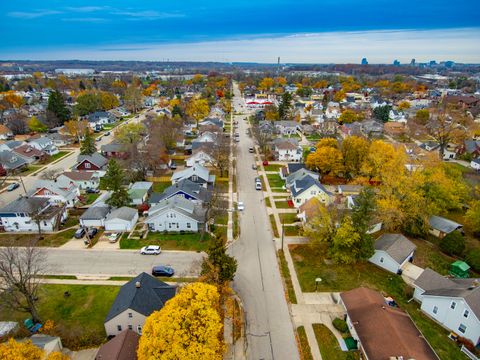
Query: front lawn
[30,169]
[90,198]
[311,263]
[57,156]
[273,167]
[50,240]
[190,241]
[283,204]
[288,218]
[292,230]
[329,346]
[78,317]
[159,187]
[305,352]
[275,181]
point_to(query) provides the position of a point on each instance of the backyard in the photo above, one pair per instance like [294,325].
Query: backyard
[159,187]
[190,241]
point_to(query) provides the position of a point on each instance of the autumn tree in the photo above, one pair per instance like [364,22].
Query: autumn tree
[56,105]
[76,128]
[87,146]
[36,125]
[327,159]
[271,112]
[346,243]
[422,116]
[472,216]
[130,134]
[133,97]
[383,160]
[354,151]
[220,152]
[262,138]
[13,350]
[348,116]
[167,130]
[87,102]
[108,100]
[188,327]
[197,109]
[113,181]
[339,96]
[404,105]
[320,229]
[266,83]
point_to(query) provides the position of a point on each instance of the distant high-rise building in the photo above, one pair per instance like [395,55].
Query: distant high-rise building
[432,63]
[364,61]
[412,62]
[449,63]
[396,62]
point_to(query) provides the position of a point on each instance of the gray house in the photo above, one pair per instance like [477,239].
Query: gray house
[197,173]
[392,252]
[188,189]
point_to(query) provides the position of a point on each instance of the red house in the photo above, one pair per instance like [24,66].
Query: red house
[92,162]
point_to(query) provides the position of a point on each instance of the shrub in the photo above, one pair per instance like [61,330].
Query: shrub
[473,259]
[340,325]
[453,244]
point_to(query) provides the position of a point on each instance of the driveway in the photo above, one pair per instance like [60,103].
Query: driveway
[411,272]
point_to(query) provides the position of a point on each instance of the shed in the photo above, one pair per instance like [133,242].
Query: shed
[440,226]
[459,269]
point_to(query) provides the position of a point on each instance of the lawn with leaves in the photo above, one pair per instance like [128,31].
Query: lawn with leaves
[305,352]
[190,241]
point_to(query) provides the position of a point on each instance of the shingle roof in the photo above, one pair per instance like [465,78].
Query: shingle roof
[180,204]
[79,175]
[442,224]
[121,347]
[95,158]
[123,213]
[10,160]
[395,245]
[300,174]
[149,297]
[430,279]
[95,213]
[199,170]
[299,186]
[191,188]
[27,205]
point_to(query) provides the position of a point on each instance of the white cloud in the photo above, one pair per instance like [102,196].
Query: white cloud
[86,19]
[147,14]
[83,9]
[32,14]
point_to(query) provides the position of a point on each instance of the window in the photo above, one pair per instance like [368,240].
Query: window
[130,315]
[435,309]
[453,305]
[189,226]
[44,223]
[87,165]
[169,225]
[139,330]
[119,327]
[466,313]
[381,260]
[462,328]
[130,327]
[177,225]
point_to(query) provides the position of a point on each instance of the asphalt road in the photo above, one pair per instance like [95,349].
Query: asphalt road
[119,262]
[270,332]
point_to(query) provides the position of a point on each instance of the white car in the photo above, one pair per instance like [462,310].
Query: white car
[240,206]
[113,237]
[150,250]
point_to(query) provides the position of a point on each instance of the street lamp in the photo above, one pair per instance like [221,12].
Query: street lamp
[317,281]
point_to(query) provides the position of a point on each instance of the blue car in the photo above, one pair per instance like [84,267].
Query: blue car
[162,270]
[13,186]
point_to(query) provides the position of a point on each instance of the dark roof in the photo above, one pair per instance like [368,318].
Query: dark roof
[299,186]
[95,213]
[430,279]
[384,331]
[95,158]
[121,347]
[395,245]
[149,297]
[10,160]
[442,224]
[292,167]
[27,205]
[187,186]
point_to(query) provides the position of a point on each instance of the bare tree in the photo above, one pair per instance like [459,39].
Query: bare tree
[18,124]
[50,174]
[262,137]
[20,272]
[220,152]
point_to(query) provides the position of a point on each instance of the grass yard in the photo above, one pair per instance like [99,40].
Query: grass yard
[159,187]
[50,240]
[275,181]
[427,254]
[190,241]
[283,204]
[305,352]
[31,169]
[267,202]
[273,167]
[290,292]
[292,230]
[288,218]
[329,346]
[90,198]
[311,263]
[79,317]
[222,217]
[274,227]
[57,156]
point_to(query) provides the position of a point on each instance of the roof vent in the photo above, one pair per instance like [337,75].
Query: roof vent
[137,284]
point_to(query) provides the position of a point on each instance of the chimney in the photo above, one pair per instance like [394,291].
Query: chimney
[137,284]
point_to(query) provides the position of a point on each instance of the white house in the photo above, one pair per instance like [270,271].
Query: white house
[392,252]
[197,173]
[201,157]
[27,213]
[135,301]
[307,188]
[176,214]
[475,164]
[44,144]
[287,150]
[287,127]
[55,192]
[82,179]
[121,219]
[454,303]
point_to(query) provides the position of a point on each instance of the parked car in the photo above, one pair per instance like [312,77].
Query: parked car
[92,232]
[240,206]
[150,250]
[107,133]
[173,165]
[80,233]
[251,150]
[258,186]
[13,186]
[254,166]
[98,138]
[265,162]
[92,191]
[113,237]
[162,270]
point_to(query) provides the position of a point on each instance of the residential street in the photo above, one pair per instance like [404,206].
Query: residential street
[269,326]
[119,262]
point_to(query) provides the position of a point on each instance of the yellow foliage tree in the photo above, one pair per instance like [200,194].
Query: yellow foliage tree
[198,109]
[327,160]
[55,355]
[348,116]
[188,327]
[12,350]
[383,161]
[354,152]
[266,83]
[109,100]
[328,142]
[404,105]
[13,99]
[339,96]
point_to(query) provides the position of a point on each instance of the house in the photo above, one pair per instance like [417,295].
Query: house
[29,153]
[430,145]
[121,347]
[55,192]
[212,121]
[371,128]
[135,301]
[290,168]
[82,179]
[185,188]
[197,173]
[11,144]
[440,226]
[114,150]
[200,156]
[347,190]
[176,214]
[30,213]
[287,127]
[44,144]
[304,189]
[475,164]
[59,140]
[452,302]
[100,118]
[144,185]
[95,216]
[121,219]
[392,252]
[300,174]
[383,331]
[11,162]
[47,343]
[94,162]
[471,147]
[5,133]
[138,196]
[287,150]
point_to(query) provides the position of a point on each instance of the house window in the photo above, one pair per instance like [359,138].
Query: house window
[87,165]
[169,225]
[435,309]
[119,327]
[139,330]
[462,328]
[130,315]
[130,327]
[466,313]
[189,226]
[453,305]
[194,178]
[381,260]
[177,225]
[44,223]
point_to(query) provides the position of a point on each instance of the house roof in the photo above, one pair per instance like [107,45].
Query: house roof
[395,245]
[199,170]
[95,213]
[121,347]
[5,130]
[95,158]
[12,144]
[79,175]
[186,186]
[123,213]
[25,205]
[147,185]
[28,151]
[149,297]
[301,185]
[293,167]
[300,174]
[137,193]
[384,331]
[429,280]
[442,224]
[54,187]
[10,160]
[179,204]
[42,141]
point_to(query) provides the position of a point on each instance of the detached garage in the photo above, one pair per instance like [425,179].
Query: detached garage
[392,252]
[121,219]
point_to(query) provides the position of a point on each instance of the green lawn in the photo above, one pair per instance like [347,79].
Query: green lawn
[221,217]
[286,277]
[288,218]
[159,187]
[57,156]
[79,317]
[274,226]
[273,167]
[267,202]
[329,346]
[168,241]
[50,240]
[275,181]
[311,263]
[90,198]
[305,352]
[292,230]
[31,169]
[283,204]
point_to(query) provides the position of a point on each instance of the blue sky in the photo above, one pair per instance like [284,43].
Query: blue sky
[318,30]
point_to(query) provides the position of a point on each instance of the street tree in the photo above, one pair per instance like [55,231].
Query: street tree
[220,152]
[218,267]
[262,138]
[87,146]
[422,116]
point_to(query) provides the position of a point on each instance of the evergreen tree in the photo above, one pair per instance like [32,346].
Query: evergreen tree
[219,267]
[176,111]
[382,112]
[56,104]
[285,106]
[362,215]
[88,144]
[113,181]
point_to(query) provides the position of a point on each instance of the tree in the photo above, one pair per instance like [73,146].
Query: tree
[339,96]
[354,151]
[20,273]
[188,327]
[266,83]
[88,144]
[108,100]
[87,103]
[326,160]
[347,116]
[271,112]
[422,116]
[56,104]
[383,161]
[404,105]
[133,98]
[284,109]
[473,259]
[50,174]
[320,229]
[220,152]
[262,138]
[36,125]
[382,113]
[13,350]
[453,244]
[472,216]
[445,127]
[197,109]
[362,215]
[113,181]
[346,243]
[130,134]
[219,267]
[76,128]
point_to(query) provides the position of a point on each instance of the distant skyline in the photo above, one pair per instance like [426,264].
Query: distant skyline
[310,31]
